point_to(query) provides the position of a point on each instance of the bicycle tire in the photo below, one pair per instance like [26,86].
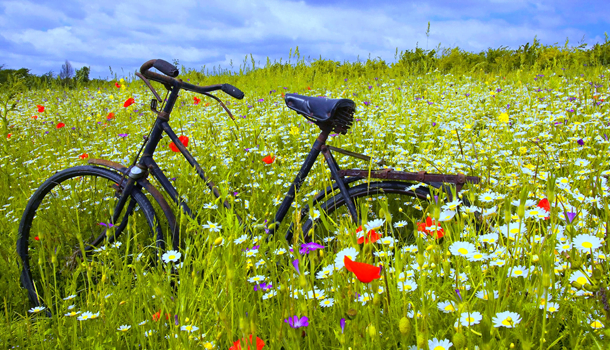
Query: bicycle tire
[390,191]
[57,254]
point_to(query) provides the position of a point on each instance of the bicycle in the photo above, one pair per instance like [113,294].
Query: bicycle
[62,242]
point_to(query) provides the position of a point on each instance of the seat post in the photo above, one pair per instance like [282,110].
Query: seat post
[301,176]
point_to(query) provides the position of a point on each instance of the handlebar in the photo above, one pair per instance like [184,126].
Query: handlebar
[171,72]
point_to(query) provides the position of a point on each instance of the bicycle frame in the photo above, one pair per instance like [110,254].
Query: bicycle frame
[146,164]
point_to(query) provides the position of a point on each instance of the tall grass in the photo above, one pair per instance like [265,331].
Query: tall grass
[532,133]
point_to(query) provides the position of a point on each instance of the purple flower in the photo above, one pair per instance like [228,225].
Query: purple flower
[295,263]
[342,323]
[433,123]
[104,224]
[436,199]
[417,98]
[263,287]
[366,103]
[430,103]
[467,95]
[571,216]
[176,320]
[123,135]
[457,291]
[310,247]
[498,90]
[261,100]
[507,106]
[358,119]
[345,79]
[333,135]
[296,322]
[581,142]
[370,87]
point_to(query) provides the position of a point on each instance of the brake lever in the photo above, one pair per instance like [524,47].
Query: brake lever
[222,104]
[149,86]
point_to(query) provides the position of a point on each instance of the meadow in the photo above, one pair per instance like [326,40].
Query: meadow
[531,275]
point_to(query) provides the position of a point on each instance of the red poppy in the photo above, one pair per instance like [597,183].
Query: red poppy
[365,273]
[84,156]
[425,227]
[237,345]
[308,88]
[60,125]
[206,104]
[34,117]
[9,136]
[269,159]
[129,102]
[183,139]
[283,94]
[110,116]
[157,315]
[36,238]
[196,100]
[40,108]
[544,204]
[118,86]
[371,237]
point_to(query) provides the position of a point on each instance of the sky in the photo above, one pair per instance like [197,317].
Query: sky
[121,35]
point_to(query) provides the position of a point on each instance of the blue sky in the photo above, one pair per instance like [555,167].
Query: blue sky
[42,34]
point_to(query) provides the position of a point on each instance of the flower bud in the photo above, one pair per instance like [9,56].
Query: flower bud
[404,326]
[302,281]
[420,259]
[546,280]
[376,299]
[459,340]
[242,324]
[372,331]
[421,341]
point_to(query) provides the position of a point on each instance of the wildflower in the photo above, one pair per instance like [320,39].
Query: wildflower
[342,324]
[296,322]
[484,295]
[506,319]
[563,247]
[519,271]
[488,197]
[511,230]
[40,108]
[37,238]
[327,302]
[83,156]
[597,324]
[431,228]
[468,319]
[462,248]
[295,263]
[550,307]
[196,100]
[129,102]
[36,309]
[183,139]
[446,306]
[446,215]
[214,227]
[70,297]
[452,205]
[241,239]
[237,345]
[60,125]
[87,315]
[326,272]
[371,225]
[503,118]
[123,135]
[124,328]
[400,224]
[310,247]
[585,243]
[268,159]
[408,285]
[580,142]
[365,273]
[34,117]
[262,286]
[437,344]
[257,278]
[171,255]
[339,258]
[477,257]
[110,116]
[388,240]
[189,328]
[371,237]
[72,313]
[579,277]
[269,294]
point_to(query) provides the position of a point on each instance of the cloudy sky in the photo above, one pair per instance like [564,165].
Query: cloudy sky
[42,34]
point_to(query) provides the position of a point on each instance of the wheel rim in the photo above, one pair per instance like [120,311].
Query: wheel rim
[79,210]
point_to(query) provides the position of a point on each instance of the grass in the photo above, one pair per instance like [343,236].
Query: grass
[530,134]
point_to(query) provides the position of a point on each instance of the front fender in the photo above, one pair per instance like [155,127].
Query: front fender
[167,211]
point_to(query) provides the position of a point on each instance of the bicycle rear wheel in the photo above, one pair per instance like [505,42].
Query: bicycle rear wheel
[392,202]
[71,213]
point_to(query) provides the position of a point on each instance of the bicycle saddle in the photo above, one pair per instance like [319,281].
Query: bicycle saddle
[325,112]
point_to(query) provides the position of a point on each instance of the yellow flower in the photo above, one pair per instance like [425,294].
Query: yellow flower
[503,118]
[111,97]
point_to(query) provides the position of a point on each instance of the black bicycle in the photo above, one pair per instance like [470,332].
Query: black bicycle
[79,213]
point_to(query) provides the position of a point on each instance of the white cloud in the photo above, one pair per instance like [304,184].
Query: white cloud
[126,34]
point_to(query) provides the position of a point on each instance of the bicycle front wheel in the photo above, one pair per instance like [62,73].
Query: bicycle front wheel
[70,214]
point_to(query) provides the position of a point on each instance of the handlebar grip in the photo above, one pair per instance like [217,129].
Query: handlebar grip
[233,91]
[166,68]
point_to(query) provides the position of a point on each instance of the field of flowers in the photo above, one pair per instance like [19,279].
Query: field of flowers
[533,276]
